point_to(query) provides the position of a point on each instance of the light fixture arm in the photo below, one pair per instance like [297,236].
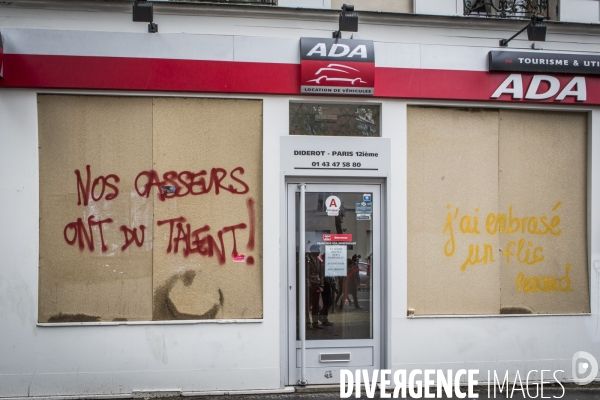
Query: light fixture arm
[536,31]
[504,42]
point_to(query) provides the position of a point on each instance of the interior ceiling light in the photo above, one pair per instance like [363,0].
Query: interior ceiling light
[536,31]
[143,11]
[348,21]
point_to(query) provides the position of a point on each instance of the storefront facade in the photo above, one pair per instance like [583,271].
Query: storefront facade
[158,183]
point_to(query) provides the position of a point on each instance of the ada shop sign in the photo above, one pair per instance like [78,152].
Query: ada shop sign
[337,66]
[543,87]
[333,205]
[561,63]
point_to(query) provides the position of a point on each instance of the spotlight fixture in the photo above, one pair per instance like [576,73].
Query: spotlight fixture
[143,11]
[348,21]
[536,31]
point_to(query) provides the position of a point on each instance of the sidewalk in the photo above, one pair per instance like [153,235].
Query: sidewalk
[571,392]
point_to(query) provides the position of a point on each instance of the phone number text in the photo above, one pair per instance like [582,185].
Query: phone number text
[336,164]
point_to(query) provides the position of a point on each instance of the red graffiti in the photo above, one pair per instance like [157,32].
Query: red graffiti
[83,235]
[232,229]
[199,240]
[250,205]
[190,183]
[89,191]
[132,237]
[172,184]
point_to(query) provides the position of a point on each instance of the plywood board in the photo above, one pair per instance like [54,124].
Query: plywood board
[542,191]
[210,151]
[452,184]
[113,136]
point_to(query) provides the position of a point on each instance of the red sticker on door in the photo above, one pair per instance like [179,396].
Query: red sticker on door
[337,237]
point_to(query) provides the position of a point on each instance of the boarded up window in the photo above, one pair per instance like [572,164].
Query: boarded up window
[496,211]
[150,208]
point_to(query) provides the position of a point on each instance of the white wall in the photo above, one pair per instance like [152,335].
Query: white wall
[580,11]
[438,7]
[501,343]
[495,343]
[485,343]
[107,358]
[305,3]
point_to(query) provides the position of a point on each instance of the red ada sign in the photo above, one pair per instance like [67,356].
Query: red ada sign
[337,237]
[337,66]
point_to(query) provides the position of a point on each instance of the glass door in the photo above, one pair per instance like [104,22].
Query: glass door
[335,323]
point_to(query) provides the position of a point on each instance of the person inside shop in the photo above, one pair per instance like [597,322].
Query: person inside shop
[327,295]
[341,292]
[353,280]
[369,263]
[314,271]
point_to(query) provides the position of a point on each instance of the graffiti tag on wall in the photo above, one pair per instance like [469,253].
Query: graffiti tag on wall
[521,247]
[204,241]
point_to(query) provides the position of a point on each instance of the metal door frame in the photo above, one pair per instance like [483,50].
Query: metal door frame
[379,287]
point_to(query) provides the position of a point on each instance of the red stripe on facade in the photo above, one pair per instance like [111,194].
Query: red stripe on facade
[464,85]
[75,72]
[1,55]
[398,82]
[266,78]
[117,73]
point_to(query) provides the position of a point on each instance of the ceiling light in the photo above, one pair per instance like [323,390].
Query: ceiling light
[144,12]
[348,21]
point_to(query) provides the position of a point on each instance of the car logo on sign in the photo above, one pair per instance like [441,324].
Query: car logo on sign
[335,69]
